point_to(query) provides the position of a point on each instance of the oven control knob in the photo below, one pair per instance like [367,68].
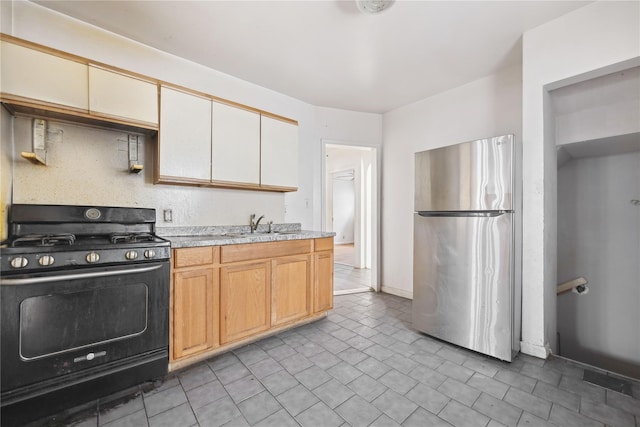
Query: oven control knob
[19,262]
[149,253]
[131,255]
[46,260]
[92,257]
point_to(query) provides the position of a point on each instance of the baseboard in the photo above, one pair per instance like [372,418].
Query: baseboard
[535,350]
[396,291]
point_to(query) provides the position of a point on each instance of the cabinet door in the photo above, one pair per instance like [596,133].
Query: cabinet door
[43,77]
[119,95]
[235,145]
[196,304]
[245,299]
[279,153]
[290,288]
[185,136]
[323,281]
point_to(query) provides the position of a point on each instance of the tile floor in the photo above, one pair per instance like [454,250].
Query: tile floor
[364,366]
[349,279]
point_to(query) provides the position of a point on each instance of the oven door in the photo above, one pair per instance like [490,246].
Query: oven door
[60,326]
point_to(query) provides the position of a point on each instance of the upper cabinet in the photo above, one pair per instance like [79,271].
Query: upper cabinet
[185,137]
[122,96]
[203,140]
[50,79]
[207,142]
[279,151]
[48,83]
[235,149]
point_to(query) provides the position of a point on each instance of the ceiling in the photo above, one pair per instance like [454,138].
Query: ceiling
[327,53]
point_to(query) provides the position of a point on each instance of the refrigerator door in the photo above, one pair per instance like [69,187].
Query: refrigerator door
[463,280]
[472,176]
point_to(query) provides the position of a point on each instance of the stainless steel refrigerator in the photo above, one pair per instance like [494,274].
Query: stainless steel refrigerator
[466,274]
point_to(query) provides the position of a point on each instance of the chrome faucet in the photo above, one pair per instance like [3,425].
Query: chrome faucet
[253,224]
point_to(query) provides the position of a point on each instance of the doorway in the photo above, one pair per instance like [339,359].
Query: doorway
[598,221]
[350,210]
[599,241]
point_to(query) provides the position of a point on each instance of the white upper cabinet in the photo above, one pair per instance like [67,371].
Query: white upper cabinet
[118,95]
[32,74]
[185,137]
[279,148]
[235,150]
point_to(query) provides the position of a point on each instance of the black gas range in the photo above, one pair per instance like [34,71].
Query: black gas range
[84,294]
[50,237]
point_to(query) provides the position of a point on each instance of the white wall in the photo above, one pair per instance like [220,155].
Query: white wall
[344,207]
[487,107]
[598,108]
[599,239]
[594,40]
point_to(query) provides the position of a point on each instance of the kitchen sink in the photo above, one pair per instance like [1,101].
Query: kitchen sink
[260,233]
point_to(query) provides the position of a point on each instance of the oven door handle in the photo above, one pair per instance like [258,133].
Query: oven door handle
[49,279]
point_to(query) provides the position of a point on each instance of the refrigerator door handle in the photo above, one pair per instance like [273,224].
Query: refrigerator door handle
[483,214]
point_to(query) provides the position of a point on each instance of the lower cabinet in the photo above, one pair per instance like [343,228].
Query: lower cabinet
[195,302]
[196,296]
[245,297]
[290,288]
[323,281]
[226,295]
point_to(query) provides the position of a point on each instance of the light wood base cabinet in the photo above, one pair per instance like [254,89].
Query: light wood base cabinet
[291,288]
[323,281]
[195,301]
[226,296]
[245,298]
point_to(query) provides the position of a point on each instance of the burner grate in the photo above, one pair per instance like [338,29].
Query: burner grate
[131,238]
[44,240]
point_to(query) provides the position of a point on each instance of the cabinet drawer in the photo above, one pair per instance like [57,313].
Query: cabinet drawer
[187,257]
[234,253]
[324,244]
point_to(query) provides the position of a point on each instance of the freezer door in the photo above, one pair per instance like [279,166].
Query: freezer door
[472,176]
[463,281]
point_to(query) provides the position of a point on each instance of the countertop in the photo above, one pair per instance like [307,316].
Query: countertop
[189,237]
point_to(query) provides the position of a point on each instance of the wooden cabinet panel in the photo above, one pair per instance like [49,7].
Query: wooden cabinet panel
[279,153]
[44,77]
[234,253]
[235,150]
[118,95]
[185,257]
[323,244]
[245,299]
[185,136]
[323,281]
[195,300]
[290,288]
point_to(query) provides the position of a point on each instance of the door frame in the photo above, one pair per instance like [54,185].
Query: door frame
[374,200]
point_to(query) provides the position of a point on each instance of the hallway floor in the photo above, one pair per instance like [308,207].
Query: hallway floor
[347,278]
[363,365]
